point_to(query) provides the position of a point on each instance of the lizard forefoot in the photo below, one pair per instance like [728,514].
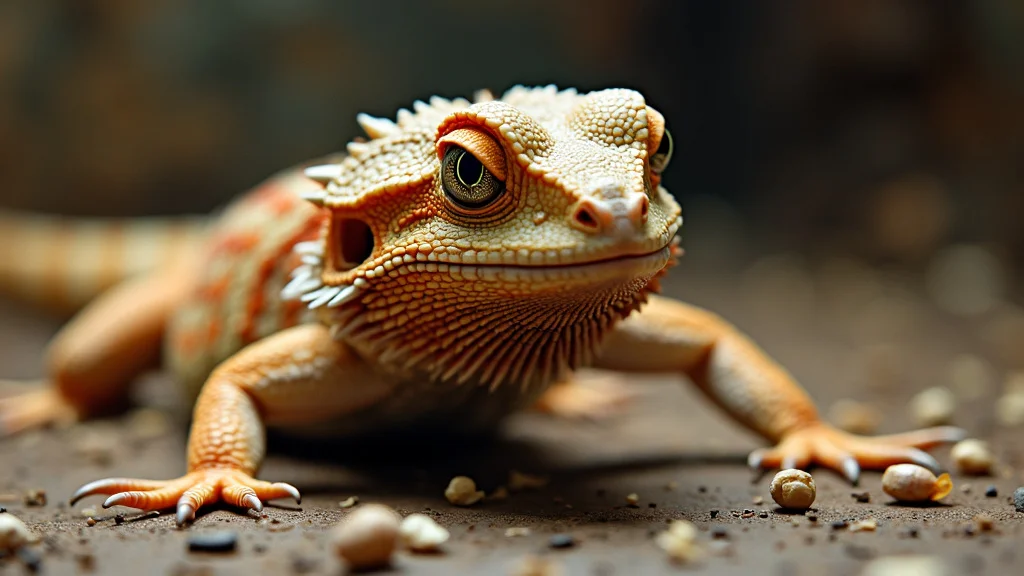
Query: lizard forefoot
[190,492]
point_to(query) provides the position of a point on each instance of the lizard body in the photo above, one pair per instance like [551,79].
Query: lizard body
[450,269]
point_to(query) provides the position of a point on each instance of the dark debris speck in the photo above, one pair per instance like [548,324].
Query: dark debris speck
[862,497]
[991,491]
[838,524]
[713,513]
[762,514]
[719,532]
[562,541]
[119,519]
[219,541]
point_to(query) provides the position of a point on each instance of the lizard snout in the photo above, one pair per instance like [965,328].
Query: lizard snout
[621,217]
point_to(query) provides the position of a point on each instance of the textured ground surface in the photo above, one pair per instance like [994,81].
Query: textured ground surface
[844,332]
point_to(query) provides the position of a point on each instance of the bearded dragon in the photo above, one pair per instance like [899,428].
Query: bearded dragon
[445,271]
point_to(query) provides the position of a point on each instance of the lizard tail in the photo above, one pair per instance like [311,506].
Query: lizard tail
[61,263]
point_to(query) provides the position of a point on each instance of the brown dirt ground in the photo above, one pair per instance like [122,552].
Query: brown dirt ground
[669,434]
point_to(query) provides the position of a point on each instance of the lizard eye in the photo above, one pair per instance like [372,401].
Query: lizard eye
[466,181]
[661,156]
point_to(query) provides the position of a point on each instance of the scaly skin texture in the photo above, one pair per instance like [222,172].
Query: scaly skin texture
[448,271]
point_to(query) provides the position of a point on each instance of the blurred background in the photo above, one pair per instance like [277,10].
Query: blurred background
[883,127]
[889,131]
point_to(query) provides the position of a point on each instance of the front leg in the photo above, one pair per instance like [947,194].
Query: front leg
[735,373]
[298,376]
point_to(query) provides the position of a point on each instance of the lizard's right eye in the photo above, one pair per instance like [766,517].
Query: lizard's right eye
[467,182]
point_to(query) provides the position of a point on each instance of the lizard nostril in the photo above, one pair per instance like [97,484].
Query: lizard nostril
[645,205]
[585,217]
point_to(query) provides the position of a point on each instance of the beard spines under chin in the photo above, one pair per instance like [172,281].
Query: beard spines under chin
[542,341]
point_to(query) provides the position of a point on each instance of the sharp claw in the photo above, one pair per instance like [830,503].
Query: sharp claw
[852,470]
[115,499]
[755,459]
[922,458]
[252,502]
[292,491]
[88,490]
[185,513]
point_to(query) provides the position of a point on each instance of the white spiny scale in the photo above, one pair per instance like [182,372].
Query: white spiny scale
[439,102]
[404,117]
[313,295]
[312,259]
[420,106]
[346,295]
[326,293]
[358,150]
[484,95]
[323,173]
[317,197]
[376,127]
[300,286]
[310,247]
[303,270]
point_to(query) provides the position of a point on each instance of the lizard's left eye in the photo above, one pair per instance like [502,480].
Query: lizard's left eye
[661,156]
[466,181]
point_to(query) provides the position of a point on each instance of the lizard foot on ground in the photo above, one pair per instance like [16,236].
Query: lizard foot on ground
[586,395]
[190,492]
[847,453]
[37,407]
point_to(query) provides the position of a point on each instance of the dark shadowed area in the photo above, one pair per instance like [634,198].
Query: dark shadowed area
[853,183]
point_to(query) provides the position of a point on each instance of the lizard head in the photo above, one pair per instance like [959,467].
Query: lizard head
[493,241]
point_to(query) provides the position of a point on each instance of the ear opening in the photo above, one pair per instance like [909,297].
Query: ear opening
[352,243]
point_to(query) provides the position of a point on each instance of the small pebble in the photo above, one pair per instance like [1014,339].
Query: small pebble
[991,491]
[680,542]
[519,481]
[561,541]
[517,532]
[793,489]
[838,524]
[35,498]
[972,457]
[866,525]
[420,533]
[932,407]
[500,493]
[632,499]
[13,533]
[88,512]
[719,532]
[757,500]
[1010,409]
[367,536]
[219,541]
[462,491]
[984,522]
[537,566]
[671,486]
[349,502]
[905,566]
[1018,499]
[913,483]
[90,521]
[862,497]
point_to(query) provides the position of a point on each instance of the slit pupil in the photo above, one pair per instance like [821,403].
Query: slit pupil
[469,170]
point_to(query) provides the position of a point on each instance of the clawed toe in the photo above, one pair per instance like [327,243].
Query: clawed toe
[189,493]
[849,454]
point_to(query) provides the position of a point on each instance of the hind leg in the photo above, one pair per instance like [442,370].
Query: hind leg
[95,357]
[586,395]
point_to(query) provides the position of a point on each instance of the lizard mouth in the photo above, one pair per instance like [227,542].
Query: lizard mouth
[624,266]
